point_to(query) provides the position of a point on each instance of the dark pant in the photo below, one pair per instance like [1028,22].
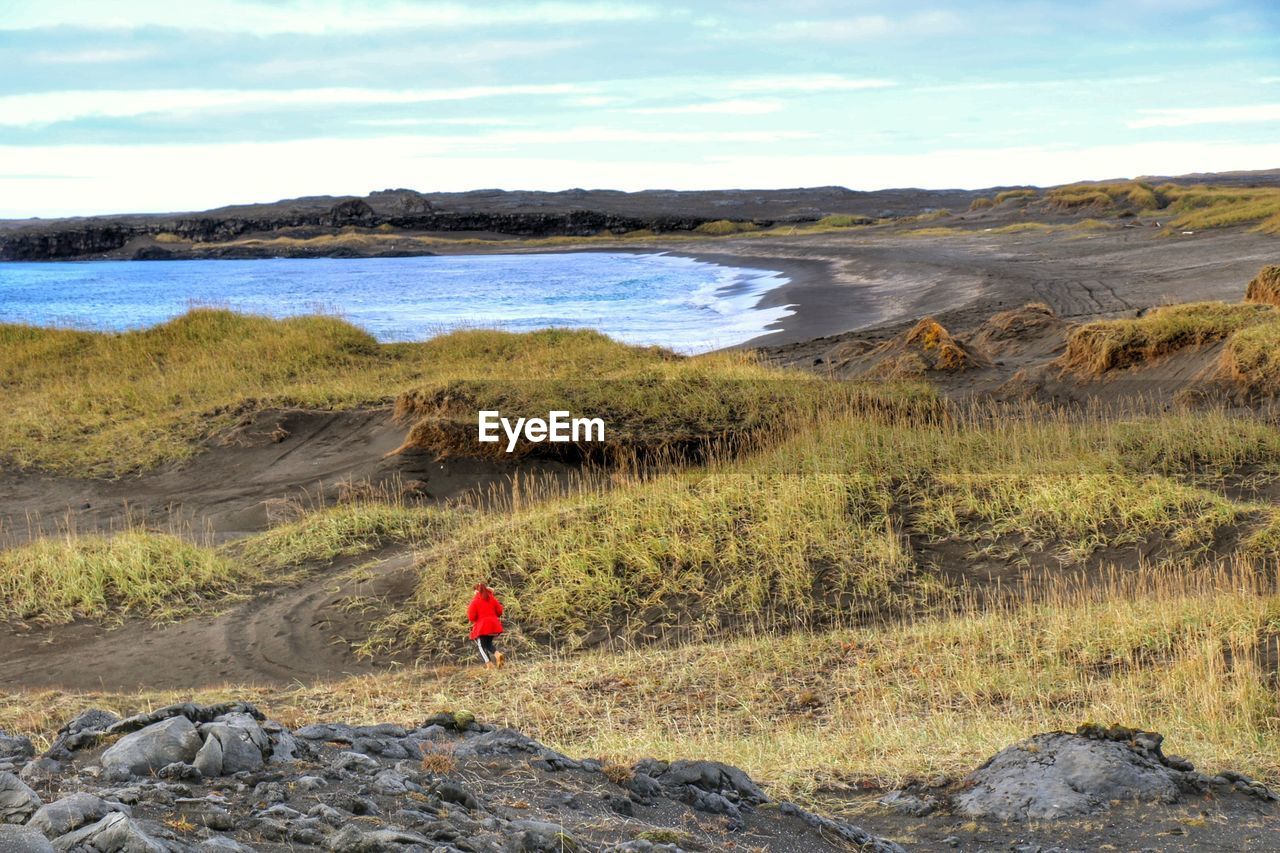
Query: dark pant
[485,644]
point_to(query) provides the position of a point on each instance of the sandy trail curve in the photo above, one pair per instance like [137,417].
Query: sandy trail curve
[280,636]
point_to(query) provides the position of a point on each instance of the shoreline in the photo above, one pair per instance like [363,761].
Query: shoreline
[820,305]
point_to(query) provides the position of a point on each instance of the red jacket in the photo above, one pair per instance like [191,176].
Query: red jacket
[483,615]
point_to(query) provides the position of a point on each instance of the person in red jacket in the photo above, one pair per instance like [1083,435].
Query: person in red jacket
[484,614]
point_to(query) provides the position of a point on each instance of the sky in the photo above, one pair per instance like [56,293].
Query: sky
[157,105]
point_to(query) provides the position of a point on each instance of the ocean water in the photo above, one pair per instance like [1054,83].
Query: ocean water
[688,305]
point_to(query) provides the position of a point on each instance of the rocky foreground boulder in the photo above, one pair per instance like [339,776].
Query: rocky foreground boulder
[225,778]
[1064,775]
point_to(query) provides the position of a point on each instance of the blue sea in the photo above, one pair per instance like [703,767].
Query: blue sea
[688,305]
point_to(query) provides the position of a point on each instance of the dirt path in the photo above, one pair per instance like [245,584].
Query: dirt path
[257,474]
[279,636]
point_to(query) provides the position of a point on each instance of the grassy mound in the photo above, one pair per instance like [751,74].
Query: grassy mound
[343,530]
[1096,348]
[730,547]
[137,572]
[98,577]
[828,517]
[1201,207]
[1010,195]
[1265,286]
[96,403]
[653,403]
[90,403]
[1133,195]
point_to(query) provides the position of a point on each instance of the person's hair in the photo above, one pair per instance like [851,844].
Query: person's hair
[483,591]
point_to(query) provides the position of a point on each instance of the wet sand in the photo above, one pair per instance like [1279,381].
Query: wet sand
[841,283]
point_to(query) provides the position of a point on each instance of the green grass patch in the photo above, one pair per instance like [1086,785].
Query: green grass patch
[731,546]
[1203,207]
[343,530]
[844,220]
[725,227]
[101,403]
[161,576]
[1023,228]
[1076,514]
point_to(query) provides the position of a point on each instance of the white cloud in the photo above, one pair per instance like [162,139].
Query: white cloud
[41,108]
[1080,83]
[737,106]
[866,27]
[92,56]
[801,83]
[432,122]
[44,108]
[317,16]
[569,136]
[593,101]
[1183,117]
[106,178]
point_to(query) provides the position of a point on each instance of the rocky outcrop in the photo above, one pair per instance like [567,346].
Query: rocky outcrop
[1064,775]
[572,213]
[17,801]
[225,778]
[173,741]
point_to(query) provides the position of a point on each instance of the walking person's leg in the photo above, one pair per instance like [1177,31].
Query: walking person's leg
[491,656]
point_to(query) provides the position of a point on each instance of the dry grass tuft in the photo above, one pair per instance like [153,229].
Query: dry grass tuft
[844,220]
[1017,323]
[1251,359]
[438,759]
[1265,286]
[725,227]
[1010,195]
[619,774]
[1132,195]
[940,349]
